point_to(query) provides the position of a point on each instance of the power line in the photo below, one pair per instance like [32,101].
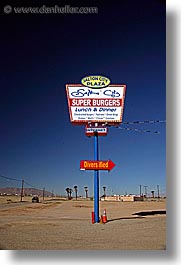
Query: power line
[34,187]
[19,180]
[138,130]
[142,122]
[30,185]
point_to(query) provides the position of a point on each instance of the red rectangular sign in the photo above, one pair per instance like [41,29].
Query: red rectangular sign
[96,165]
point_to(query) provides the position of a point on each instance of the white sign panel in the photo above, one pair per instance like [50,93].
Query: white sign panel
[95,104]
[100,130]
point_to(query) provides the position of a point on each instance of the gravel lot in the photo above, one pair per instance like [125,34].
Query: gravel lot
[58,225]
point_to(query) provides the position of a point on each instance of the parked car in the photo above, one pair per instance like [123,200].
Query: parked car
[35,199]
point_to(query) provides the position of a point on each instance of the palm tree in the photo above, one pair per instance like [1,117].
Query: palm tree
[76,189]
[86,192]
[68,193]
[104,189]
[153,193]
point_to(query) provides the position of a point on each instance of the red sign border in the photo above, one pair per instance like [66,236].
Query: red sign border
[83,122]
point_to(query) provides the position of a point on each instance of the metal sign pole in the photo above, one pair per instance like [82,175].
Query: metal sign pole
[96,180]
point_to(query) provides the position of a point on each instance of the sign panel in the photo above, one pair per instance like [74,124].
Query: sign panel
[95,81]
[96,165]
[103,105]
[100,130]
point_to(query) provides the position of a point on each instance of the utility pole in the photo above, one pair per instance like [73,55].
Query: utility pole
[22,189]
[43,193]
[158,189]
[145,191]
[140,190]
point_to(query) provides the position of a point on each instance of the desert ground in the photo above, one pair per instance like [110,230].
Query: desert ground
[59,224]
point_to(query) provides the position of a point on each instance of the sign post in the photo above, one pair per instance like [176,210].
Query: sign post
[97,104]
[96,180]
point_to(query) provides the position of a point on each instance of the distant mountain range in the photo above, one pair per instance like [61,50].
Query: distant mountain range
[27,191]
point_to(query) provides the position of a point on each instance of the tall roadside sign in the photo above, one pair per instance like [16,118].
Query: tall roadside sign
[97,104]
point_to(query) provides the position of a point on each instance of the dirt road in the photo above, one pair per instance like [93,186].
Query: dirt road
[67,225]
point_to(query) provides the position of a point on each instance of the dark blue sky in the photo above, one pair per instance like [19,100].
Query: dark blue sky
[125,41]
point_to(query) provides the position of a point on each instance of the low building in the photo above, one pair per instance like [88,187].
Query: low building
[122,198]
